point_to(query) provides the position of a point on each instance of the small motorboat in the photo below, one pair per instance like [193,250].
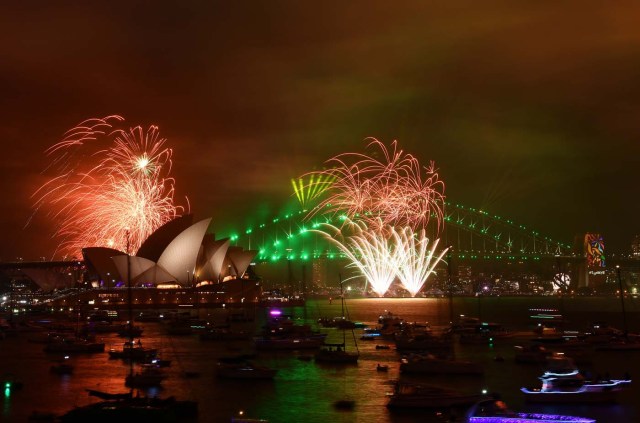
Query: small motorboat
[382,368]
[336,354]
[562,382]
[430,364]
[133,351]
[410,395]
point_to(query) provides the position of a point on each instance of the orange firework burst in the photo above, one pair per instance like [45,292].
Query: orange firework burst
[112,186]
[391,190]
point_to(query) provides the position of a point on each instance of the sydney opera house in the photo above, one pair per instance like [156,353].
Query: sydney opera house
[179,264]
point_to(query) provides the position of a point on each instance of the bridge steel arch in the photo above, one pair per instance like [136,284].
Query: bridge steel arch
[471,232]
[476,231]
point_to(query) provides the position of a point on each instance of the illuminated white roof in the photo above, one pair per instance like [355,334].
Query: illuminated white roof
[137,266]
[213,259]
[180,256]
[157,242]
[191,251]
[240,260]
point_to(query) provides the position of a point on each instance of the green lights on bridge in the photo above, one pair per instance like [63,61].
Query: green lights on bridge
[304,255]
[490,230]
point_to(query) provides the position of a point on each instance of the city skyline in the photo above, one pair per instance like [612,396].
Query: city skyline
[528,113]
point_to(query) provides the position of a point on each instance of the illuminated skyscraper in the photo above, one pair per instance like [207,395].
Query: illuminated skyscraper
[592,270]
[319,272]
[635,247]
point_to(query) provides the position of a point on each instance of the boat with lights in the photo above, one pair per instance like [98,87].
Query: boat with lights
[337,353]
[496,411]
[531,353]
[471,330]
[562,382]
[412,395]
[388,324]
[282,333]
[430,364]
[133,351]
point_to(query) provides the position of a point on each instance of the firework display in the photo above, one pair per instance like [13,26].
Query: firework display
[111,186]
[386,204]
[312,187]
[371,250]
[391,190]
[418,260]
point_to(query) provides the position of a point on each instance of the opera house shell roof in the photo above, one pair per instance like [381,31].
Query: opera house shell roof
[179,252]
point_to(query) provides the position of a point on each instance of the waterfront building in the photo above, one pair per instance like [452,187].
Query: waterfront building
[592,270]
[635,247]
[319,272]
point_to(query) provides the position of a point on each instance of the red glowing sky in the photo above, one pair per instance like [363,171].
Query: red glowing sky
[529,109]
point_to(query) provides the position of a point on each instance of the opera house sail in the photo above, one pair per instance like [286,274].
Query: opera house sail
[178,264]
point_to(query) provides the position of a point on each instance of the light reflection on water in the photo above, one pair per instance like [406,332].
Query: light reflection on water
[305,391]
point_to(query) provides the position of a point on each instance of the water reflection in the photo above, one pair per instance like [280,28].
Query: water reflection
[303,390]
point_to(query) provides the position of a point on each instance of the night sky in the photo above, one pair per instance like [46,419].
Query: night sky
[531,110]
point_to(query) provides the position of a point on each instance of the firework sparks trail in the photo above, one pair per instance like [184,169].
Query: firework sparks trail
[418,260]
[371,250]
[121,197]
[391,190]
[314,186]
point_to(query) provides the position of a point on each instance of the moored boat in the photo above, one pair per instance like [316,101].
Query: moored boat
[336,353]
[563,383]
[531,353]
[430,364]
[410,395]
[288,343]
[382,367]
[280,333]
[133,351]
[134,409]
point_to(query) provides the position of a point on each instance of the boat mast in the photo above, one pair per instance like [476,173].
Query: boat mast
[130,307]
[353,334]
[450,286]
[344,340]
[624,314]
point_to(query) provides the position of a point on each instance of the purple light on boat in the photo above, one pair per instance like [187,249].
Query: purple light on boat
[275,312]
[530,417]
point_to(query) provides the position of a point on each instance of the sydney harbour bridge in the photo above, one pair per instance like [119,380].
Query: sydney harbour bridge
[487,243]
[289,244]
[472,234]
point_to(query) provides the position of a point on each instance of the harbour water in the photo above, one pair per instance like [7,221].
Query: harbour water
[304,391]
